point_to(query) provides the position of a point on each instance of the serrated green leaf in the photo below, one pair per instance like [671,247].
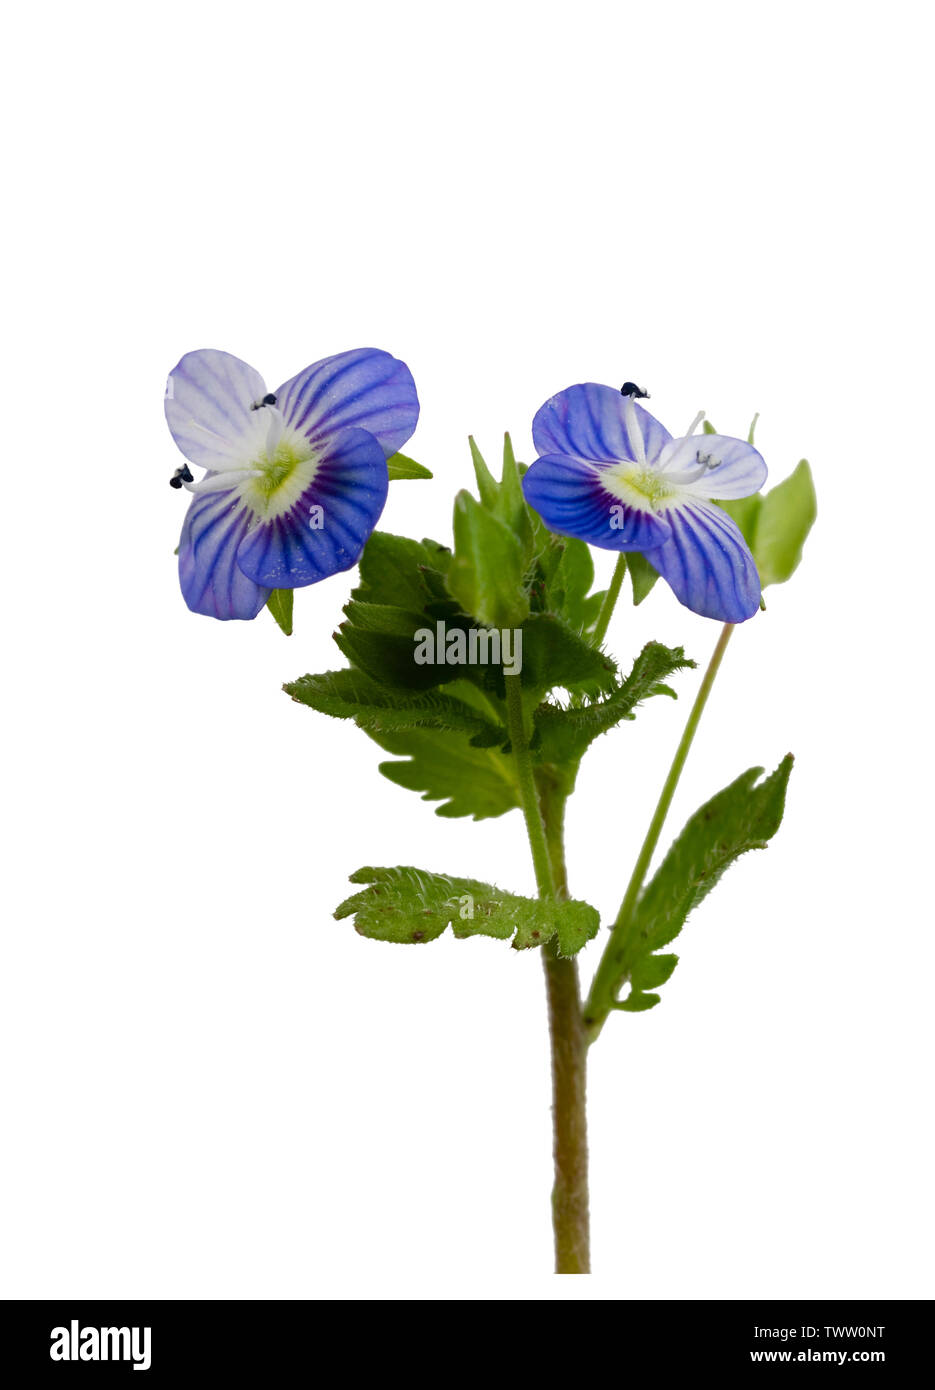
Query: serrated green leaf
[637,1003]
[563,735]
[402,468]
[408,905]
[652,971]
[381,639]
[353,695]
[279,604]
[554,655]
[642,575]
[486,573]
[744,816]
[395,570]
[447,767]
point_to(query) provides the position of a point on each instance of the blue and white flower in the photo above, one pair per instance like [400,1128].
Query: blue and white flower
[295,478]
[611,475]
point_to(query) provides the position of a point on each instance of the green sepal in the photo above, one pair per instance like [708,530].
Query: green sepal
[279,604]
[775,524]
[642,576]
[571,581]
[401,468]
[486,573]
[486,482]
[408,905]
[510,506]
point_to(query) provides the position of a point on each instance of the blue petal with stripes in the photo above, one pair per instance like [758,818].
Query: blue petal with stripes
[328,526]
[612,475]
[296,478]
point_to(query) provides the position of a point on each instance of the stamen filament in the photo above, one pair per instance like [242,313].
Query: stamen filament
[634,431]
[219,481]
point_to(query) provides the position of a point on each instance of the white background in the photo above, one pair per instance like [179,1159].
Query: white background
[210,1088]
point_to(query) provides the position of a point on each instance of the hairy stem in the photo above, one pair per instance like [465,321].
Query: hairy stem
[610,600]
[529,797]
[608,977]
[566,1027]
[569,1043]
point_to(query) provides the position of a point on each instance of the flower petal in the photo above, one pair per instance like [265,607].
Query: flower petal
[707,563]
[349,487]
[596,422]
[208,400]
[365,388]
[736,469]
[212,581]
[570,496]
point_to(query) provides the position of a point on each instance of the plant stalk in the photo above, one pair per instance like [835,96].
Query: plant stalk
[543,808]
[608,977]
[610,600]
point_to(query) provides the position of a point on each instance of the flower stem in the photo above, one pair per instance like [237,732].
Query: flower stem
[609,977]
[543,808]
[610,600]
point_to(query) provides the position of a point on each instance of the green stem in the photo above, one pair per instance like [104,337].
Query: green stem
[543,808]
[529,799]
[609,976]
[610,600]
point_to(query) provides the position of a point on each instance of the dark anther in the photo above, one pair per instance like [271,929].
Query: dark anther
[268,399]
[181,475]
[630,388]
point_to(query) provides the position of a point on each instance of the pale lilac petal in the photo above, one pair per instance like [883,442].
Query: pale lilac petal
[731,467]
[208,400]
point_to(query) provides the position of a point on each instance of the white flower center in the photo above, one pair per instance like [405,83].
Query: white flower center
[276,474]
[639,486]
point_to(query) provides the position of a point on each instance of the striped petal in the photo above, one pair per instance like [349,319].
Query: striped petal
[733,468]
[596,422]
[208,400]
[328,525]
[212,581]
[571,497]
[364,389]
[707,563]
